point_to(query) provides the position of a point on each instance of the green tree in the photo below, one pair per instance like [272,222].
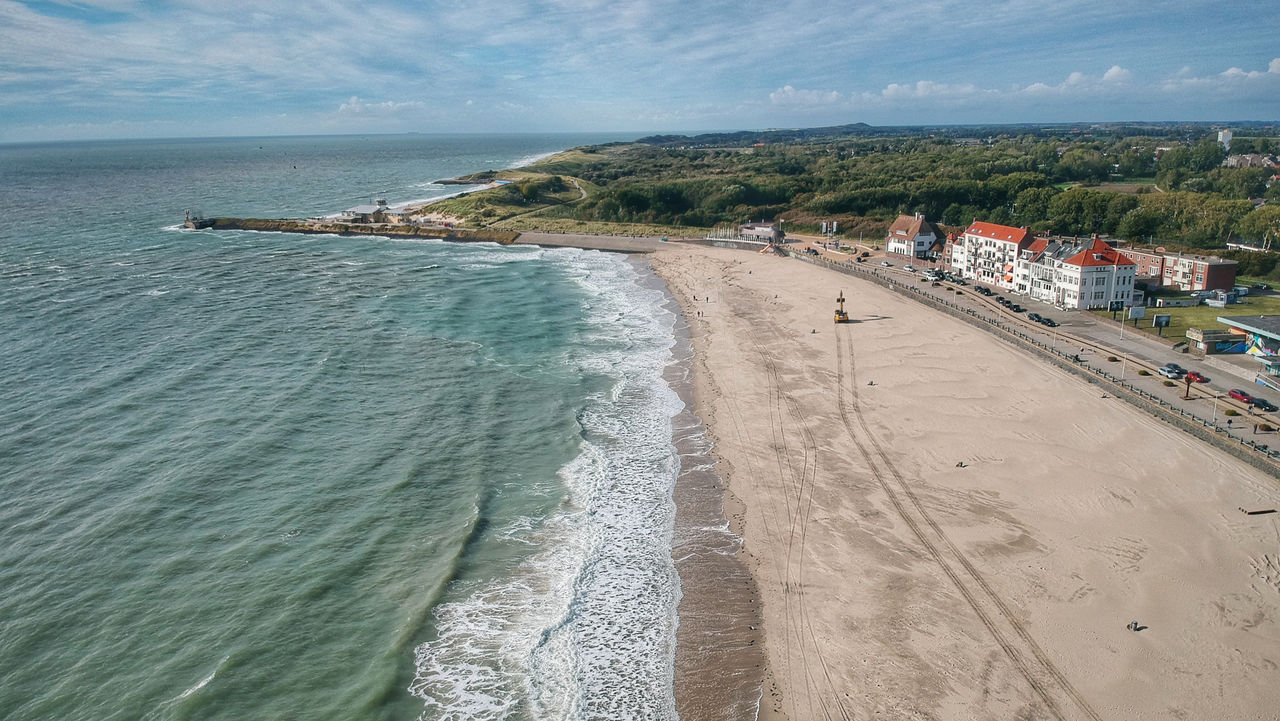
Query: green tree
[1081,164]
[1206,155]
[1261,224]
[1032,205]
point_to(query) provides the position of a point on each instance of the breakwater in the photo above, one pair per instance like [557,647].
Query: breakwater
[288,225]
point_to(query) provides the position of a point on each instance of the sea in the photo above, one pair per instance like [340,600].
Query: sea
[269,476]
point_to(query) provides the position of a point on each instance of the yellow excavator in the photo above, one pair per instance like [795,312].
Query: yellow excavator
[841,315]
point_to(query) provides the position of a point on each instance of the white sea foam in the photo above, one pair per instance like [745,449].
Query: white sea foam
[586,628]
[531,159]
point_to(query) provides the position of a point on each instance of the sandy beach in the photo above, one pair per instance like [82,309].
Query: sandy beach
[942,527]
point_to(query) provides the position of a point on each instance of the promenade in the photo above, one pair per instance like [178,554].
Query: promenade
[1087,344]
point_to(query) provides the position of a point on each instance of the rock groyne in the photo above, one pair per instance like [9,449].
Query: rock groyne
[288,225]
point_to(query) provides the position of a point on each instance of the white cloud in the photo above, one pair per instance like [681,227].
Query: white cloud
[1233,80]
[356,106]
[789,96]
[927,89]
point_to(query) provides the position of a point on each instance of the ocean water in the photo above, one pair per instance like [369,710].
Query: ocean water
[257,475]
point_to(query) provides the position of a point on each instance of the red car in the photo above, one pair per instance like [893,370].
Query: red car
[1195,377]
[1239,395]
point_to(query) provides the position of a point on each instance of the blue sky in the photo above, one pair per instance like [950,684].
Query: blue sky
[154,68]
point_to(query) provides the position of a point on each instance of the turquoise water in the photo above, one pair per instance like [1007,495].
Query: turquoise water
[256,475]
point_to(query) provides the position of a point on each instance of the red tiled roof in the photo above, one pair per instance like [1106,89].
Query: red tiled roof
[1098,253]
[1019,236]
[910,226]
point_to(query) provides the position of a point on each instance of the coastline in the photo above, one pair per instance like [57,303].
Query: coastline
[894,580]
[720,662]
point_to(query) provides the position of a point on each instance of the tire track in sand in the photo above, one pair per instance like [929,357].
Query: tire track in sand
[1025,654]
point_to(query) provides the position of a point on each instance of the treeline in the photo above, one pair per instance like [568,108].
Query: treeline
[1178,190]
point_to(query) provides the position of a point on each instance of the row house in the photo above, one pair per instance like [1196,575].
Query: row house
[1076,276]
[1084,276]
[1093,278]
[987,253]
[1181,271]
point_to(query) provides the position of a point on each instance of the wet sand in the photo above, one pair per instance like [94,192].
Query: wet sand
[942,527]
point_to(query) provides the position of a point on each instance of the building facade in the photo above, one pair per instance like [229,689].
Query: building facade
[1080,276]
[761,231]
[987,253]
[1181,271]
[914,236]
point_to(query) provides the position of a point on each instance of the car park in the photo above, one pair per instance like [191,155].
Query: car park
[1239,395]
[1196,377]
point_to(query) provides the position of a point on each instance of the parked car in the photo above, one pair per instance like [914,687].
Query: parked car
[1196,377]
[1016,308]
[961,281]
[984,291]
[1175,367]
[1261,286]
[1263,404]
[864,254]
[1168,372]
[886,264]
[1239,395]
[1049,322]
[1034,316]
[999,299]
[909,268]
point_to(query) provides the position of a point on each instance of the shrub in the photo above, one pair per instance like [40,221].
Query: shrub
[1169,384]
[1265,427]
[1231,412]
[1144,372]
[1112,358]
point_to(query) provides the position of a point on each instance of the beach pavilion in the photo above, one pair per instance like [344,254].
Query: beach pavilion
[1263,334]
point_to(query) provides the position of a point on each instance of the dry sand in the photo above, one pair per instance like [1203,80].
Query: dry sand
[897,584]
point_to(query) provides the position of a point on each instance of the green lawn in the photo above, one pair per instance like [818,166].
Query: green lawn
[1202,316]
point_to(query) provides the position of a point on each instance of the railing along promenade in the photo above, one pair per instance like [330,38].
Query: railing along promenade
[1256,454]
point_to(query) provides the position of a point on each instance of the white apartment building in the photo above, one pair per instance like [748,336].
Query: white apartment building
[1081,277]
[988,253]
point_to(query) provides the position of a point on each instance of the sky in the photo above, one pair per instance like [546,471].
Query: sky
[88,69]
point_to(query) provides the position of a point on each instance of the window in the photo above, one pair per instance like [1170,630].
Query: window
[1099,294]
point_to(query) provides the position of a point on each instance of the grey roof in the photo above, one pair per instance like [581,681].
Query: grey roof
[1267,325]
[367,209]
